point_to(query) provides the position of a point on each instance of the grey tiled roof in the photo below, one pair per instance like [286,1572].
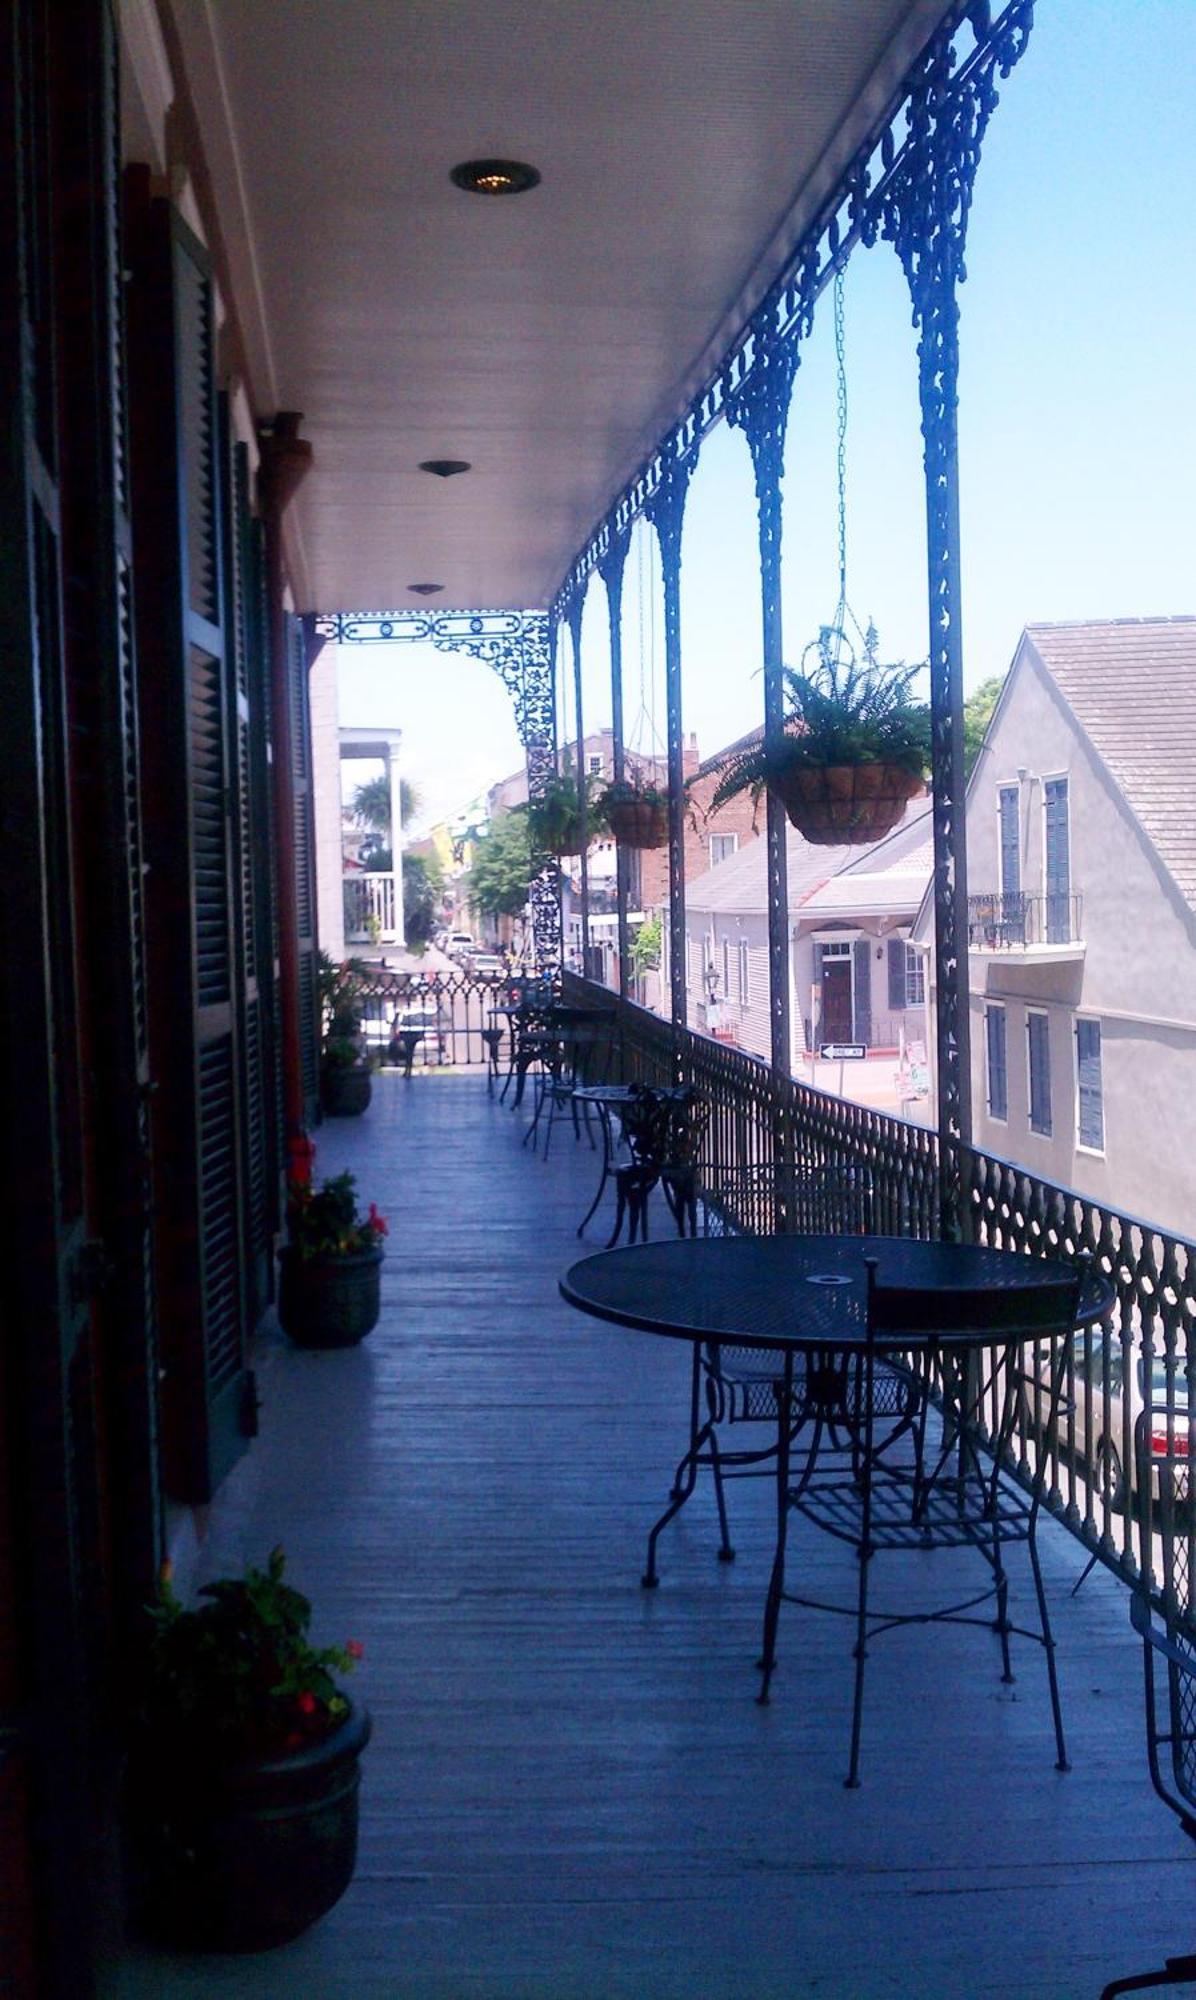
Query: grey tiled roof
[1131,685]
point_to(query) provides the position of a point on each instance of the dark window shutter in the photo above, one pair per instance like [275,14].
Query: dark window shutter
[305,866]
[190,725]
[896,975]
[861,952]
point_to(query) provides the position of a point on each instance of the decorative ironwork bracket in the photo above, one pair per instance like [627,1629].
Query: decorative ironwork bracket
[517,644]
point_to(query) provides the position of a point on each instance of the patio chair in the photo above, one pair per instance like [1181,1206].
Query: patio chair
[742,1385]
[891,1500]
[1168,1653]
[662,1132]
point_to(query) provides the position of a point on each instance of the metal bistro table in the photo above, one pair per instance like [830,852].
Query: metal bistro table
[955,1314]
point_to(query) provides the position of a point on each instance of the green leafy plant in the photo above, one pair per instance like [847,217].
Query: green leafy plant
[324,1222]
[841,712]
[630,790]
[341,992]
[646,945]
[236,1676]
[553,819]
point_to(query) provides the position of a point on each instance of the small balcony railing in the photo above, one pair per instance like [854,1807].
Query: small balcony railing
[1017,922]
[370,908]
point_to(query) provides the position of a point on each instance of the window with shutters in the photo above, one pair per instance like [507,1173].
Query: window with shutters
[1056,860]
[1008,799]
[1090,1096]
[722,847]
[997,1069]
[1038,1062]
[745,973]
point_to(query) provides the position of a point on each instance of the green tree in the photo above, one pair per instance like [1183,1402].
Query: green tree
[977,714]
[645,946]
[371,809]
[502,866]
[423,882]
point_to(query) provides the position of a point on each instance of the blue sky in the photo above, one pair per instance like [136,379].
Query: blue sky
[1077,424]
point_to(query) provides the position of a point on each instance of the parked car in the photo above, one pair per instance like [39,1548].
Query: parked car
[427,1018]
[486,965]
[459,944]
[1096,1434]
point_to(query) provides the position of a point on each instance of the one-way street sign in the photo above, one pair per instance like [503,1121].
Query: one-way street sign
[842,1051]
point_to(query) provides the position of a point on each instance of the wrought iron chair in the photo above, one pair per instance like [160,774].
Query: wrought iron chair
[662,1133]
[742,1385]
[901,1493]
[1168,1650]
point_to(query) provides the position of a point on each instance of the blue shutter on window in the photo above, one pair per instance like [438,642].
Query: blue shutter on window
[1038,1038]
[896,975]
[1091,1087]
[1008,799]
[1058,862]
[998,1076]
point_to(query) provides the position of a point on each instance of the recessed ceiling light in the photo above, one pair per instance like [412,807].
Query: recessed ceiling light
[495,176]
[425,589]
[444,468]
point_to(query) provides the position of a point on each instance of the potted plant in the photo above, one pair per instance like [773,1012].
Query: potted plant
[244,1766]
[345,1085]
[853,751]
[329,1294]
[636,811]
[553,818]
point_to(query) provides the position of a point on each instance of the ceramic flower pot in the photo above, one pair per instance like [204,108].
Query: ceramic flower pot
[329,1301]
[246,1856]
[845,805]
[639,822]
[344,1089]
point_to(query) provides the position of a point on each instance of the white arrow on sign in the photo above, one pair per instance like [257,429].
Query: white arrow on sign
[842,1051]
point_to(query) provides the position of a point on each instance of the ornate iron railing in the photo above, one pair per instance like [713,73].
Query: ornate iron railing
[1127,1379]
[451,1011]
[1016,922]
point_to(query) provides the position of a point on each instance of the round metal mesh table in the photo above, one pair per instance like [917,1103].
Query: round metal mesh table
[809,1292]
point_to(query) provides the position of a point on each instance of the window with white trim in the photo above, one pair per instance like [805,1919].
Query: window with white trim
[1038,1063]
[995,1062]
[594,765]
[1090,1091]
[915,978]
[722,847]
[726,968]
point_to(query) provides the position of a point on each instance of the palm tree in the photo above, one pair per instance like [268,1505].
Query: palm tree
[371,803]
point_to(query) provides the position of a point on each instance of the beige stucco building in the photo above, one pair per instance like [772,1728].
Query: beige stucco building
[1081,840]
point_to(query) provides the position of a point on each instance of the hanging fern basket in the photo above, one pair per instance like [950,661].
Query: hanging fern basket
[845,805]
[639,822]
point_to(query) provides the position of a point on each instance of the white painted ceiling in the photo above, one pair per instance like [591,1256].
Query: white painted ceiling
[548,338]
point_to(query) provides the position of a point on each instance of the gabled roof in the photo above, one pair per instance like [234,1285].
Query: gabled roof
[739,885]
[1131,685]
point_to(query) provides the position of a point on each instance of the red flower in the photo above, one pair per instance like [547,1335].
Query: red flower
[377,1222]
[355,1649]
[306,1703]
[301,1154]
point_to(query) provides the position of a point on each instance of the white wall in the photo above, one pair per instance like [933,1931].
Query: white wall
[326,792]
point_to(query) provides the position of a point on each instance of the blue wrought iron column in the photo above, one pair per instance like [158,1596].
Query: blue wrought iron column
[611,564]
[573,614]
[924,215]
[761,410]
[666,511]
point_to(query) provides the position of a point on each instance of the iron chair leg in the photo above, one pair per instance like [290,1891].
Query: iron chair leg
[1176,1972]
[776,1582]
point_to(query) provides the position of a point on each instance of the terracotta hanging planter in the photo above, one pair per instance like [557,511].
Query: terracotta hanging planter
[844,805]
[639,822]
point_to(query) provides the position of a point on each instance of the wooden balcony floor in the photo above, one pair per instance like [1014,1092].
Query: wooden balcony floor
[571,1793]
